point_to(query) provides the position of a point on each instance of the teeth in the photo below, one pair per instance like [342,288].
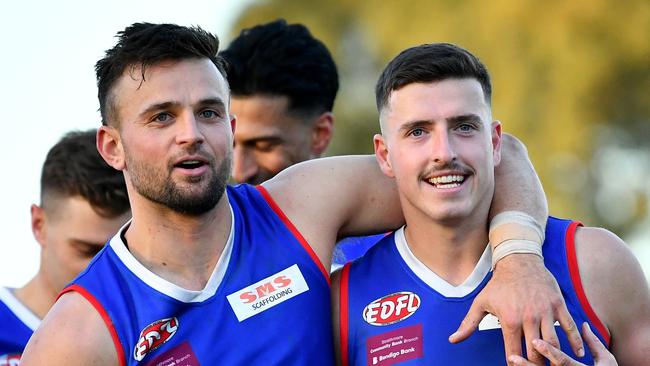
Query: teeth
[446,179]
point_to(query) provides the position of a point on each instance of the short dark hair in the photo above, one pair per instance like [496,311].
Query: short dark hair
[144,44]
[280,59]
[73,167]
[428,63]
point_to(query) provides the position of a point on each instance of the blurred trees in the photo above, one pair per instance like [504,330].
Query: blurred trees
[570,78]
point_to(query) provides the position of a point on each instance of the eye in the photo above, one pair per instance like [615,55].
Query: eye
[162,117]
[417,132]
[208,114]
[465,127]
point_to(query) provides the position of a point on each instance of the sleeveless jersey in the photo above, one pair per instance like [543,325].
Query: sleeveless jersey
[393,309]
[266,303]
[17,323]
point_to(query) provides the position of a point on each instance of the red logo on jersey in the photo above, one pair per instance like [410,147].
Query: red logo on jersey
[10,359]
[265,289]
[155,335]
[391,309]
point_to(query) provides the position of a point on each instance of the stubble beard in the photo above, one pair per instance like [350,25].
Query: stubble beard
[194,197]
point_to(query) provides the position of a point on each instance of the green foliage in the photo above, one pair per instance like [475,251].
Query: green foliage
[563,72]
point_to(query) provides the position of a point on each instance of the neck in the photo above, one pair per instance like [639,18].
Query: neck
[38,295]
[180,248]
[451,250]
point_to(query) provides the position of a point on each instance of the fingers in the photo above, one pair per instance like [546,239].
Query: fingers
[571,330]
[553,354]
[512,337]
[531,331]
[549,334]
[597,348]
[519,361]
[469,324]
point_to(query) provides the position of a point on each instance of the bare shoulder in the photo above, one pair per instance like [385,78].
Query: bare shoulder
[72,333]
[617,290]
[334,197]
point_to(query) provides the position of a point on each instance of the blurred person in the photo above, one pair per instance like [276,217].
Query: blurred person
[203,266]
[401,300]
[283,83]
[83,202]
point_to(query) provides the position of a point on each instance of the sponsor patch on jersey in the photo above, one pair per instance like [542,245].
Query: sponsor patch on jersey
[396,346]
[154,335]
[267,293]
[181,355]
[10,359]
[392,308]
[492,322]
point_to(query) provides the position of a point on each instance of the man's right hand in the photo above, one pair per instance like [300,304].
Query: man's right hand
[602,356]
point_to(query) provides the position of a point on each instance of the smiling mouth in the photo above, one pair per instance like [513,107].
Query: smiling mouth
[447,181]
[190,164]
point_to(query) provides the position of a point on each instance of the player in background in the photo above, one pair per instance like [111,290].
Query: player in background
[83,202]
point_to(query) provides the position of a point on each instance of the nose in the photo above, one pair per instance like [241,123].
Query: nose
[188,130]
[244,165]
[443,151]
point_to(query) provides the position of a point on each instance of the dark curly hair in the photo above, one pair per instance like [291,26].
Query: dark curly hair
[73,167]
[141,45]
[280,59]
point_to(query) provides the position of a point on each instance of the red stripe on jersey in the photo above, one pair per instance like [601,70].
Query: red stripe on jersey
[343,313]
[278,211]
[107,319]
[574,271]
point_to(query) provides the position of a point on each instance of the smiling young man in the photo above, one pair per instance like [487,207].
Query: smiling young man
[83,202]
[399,302]
[208,274]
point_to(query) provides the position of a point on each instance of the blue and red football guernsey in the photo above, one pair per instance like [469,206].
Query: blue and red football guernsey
[17,325]
[353,247]
[266,303]
[394,310]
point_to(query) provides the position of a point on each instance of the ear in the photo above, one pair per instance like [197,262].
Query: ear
[496,142]
[321,133]
[233,125]
[110,147]
[381,154]
[39,227]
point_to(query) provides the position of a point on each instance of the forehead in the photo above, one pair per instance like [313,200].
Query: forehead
[185,81]
[258,114]
[435,101]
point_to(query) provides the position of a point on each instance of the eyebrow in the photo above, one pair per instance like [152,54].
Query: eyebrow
[167,105]
[454,120]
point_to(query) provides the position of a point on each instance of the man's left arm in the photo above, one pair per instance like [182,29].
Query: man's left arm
[522,294]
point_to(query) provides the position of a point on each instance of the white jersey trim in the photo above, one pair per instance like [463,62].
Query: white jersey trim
[436,282]
[19,309]
[168,288]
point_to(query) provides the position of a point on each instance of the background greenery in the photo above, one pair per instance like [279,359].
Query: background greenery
[571,79]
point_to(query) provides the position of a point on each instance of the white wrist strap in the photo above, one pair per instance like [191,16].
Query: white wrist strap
[515,246]
[517,217]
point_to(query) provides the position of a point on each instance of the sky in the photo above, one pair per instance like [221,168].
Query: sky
[47,88]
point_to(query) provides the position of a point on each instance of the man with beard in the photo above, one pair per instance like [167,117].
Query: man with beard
[83,202]
[208,274]
[283,83]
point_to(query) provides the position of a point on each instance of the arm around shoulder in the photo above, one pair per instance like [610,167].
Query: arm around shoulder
[617,291]
[72,333]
